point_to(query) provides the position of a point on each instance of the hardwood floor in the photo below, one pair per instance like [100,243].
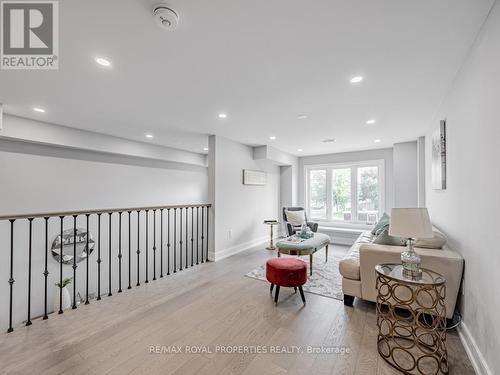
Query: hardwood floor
[210,306]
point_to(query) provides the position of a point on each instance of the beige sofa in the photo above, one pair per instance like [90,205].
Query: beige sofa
[358,269]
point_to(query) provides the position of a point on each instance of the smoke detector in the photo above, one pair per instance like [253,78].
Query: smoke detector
[166,17]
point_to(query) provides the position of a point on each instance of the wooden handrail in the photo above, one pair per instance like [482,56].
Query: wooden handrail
[104,210]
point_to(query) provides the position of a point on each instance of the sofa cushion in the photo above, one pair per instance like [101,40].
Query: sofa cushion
[365,237]
[384,238]
[349,266]
[436,242]
[383,222]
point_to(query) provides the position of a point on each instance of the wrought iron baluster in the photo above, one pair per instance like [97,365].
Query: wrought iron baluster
[109,258]
[74,262]
[147,245]
[61,267]
[46,271]
[183,234]
[99,256]
[208,229]
[154,245]
[192,240]
[28,322]
[202,233]
[119,252]
[87,261]
[11,278]
[180,238]
[197,235]
[129,252]
[161,243]
[168,241]
[138,245]
[187,243]
[175,240]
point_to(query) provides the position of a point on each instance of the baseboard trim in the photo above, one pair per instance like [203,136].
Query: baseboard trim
[472,350]
[219,255]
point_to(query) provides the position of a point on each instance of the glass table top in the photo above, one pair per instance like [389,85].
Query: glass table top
[272,222]
[395,272]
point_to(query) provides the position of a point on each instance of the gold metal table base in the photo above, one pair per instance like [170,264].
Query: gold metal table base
[411,319]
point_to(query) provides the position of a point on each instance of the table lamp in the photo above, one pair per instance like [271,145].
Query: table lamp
[410,223]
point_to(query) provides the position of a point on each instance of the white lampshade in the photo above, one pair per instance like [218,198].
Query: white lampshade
[410,223]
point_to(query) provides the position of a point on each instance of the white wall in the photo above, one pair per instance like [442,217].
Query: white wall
[289,185]
[40,178]
[239,209]
[421,171]
[33,183]
[18,128]
[468,209]
[348,157]
[405,174]
[289,174]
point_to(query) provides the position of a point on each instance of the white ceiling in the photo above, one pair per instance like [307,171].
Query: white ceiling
[261,62]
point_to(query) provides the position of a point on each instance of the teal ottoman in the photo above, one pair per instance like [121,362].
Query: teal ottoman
[293,245]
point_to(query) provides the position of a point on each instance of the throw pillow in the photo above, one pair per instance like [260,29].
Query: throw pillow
[384,221]
[436,242]
[384,238]
[296,218]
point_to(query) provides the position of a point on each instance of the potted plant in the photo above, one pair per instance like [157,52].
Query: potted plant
[66,298]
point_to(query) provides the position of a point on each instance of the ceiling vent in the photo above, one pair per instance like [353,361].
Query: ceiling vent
[330,140]
[166,17]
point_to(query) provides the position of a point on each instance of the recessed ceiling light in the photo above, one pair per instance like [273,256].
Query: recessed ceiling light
[299,150]
[149,135]
[38,109]
[102,61]
[272,138]
[205,149]
[356,79]
[377,140]
[302,117]
[330,140]
[371,122]
[222,115]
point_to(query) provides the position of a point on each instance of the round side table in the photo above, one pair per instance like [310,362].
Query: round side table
[411,319]
[271,242]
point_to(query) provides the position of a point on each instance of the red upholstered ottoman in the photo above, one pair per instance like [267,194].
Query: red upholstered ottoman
[286,272]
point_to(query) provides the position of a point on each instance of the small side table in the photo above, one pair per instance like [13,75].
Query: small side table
[411,319]
[271,242]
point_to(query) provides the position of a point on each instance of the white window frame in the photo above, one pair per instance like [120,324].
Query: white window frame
[354,190]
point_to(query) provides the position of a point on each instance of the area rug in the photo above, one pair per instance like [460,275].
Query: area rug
[325,281]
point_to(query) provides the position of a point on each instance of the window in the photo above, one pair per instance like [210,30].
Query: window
[318,193]
[347,192]
[368,195]
[341,194]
